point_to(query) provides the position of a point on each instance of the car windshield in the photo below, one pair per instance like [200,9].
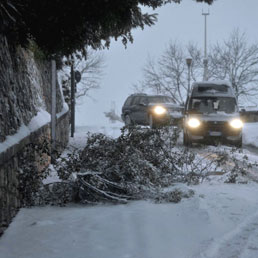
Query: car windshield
[160,99]
[213,105]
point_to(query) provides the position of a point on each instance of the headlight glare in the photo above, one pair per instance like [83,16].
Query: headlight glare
[236,123]
[159,110]
[193,122]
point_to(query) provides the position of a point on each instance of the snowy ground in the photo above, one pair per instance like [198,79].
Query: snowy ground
[220,220]
[250,133]
[250,136]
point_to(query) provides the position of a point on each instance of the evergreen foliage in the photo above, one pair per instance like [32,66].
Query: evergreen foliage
[140,164]
[62,27]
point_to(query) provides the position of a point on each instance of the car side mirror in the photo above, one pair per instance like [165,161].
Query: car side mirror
[242,110]
[142,104]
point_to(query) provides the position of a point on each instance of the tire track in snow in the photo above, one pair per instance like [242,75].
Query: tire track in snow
[238,243]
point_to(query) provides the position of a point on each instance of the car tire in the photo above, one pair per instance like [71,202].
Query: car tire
[128,120]
[186,141]
[239,143]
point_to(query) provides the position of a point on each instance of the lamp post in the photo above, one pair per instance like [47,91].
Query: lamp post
[72,98]
[189,63]
[205,60]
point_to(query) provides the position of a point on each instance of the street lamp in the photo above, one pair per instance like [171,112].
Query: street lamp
[75,78]
[189,63]
[205,60]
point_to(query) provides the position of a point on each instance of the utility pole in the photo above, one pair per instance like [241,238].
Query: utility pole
[189,63]
[53,107]
[205,60]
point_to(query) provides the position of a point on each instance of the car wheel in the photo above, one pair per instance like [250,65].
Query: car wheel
[128,120]
[239,144]
[186,141]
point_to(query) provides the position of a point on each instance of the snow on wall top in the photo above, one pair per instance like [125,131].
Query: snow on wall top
[42,118]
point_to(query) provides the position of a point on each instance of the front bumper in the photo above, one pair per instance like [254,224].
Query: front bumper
[167,119]
[214,130]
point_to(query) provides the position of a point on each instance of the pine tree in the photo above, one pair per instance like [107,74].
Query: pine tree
[62,27]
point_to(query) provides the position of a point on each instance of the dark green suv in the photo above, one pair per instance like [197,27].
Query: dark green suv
[152,110]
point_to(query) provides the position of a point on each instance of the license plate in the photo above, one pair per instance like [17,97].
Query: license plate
[215,133]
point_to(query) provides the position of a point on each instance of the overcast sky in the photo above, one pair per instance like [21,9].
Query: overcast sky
[181,22]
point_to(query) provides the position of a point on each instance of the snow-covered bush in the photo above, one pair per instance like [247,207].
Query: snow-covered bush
[174,195]
[240,166]
[138,164]
[58,193]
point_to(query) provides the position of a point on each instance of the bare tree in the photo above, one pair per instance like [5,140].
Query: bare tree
[172,67]
[91,70]
[195,54]
[237,62]
[169,74]
[233,60]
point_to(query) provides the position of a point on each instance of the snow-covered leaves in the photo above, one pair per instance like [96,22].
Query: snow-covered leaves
[139,164]
[136,165]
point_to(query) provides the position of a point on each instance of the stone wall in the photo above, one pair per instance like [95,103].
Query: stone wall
[10,161]
[25,87]
[25,90]
[9,196]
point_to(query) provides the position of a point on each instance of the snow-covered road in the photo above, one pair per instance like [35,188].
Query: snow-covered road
[219,221]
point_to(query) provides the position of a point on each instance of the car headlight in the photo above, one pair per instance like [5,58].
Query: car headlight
[193,122]
[236,123]
[159,110]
